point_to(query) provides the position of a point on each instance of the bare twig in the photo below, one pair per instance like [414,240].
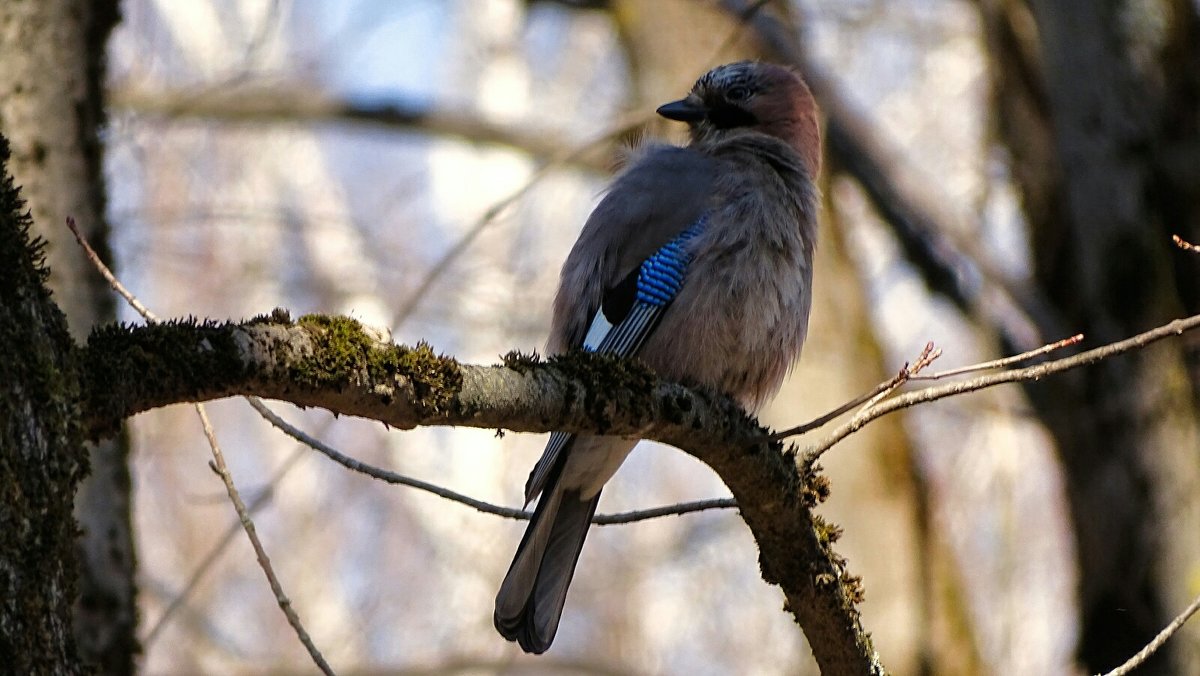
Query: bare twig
[1162,637]
[1006,361]
[219,459]
[881,390]
[479,505]
[909,399]
[210,559]
[108,275]
[908,373]
[264,561]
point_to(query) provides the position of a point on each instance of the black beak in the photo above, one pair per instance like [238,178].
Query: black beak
[683,110]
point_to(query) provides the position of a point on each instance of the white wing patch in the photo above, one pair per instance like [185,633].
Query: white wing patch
[597,331]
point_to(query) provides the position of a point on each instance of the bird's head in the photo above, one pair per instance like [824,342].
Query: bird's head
[761,97]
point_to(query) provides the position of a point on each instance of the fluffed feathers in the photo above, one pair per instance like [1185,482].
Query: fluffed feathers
[736,325]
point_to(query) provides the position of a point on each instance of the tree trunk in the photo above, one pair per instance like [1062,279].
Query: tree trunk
[1092,100]
[41,456]
[51,105]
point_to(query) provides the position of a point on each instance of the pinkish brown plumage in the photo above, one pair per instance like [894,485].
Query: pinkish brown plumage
[733,215]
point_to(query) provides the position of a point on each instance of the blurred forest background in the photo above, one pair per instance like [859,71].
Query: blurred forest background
[999,174]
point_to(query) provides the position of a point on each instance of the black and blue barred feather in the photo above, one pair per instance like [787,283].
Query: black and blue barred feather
[659,280]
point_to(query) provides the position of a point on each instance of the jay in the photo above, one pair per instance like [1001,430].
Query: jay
[698,261]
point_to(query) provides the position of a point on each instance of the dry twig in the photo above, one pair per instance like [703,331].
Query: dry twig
[260,552]
[218,458]
[1153,646]
[934,393]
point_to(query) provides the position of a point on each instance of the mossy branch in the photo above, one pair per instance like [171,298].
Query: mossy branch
[336,364]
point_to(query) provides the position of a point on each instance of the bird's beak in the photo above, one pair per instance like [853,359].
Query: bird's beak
[683,110]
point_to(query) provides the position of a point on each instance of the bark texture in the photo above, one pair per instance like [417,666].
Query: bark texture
[41,456]
[51,107]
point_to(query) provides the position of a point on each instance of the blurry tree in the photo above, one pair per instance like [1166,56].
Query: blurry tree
[1098,105]
[1093,118]
[52,57]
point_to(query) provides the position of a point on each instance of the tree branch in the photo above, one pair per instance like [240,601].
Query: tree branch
[275,104]
[1027,374]
[264,561]
[334,363]
[355,465]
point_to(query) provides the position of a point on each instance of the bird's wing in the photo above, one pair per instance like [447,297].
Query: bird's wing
[664,190]
[650,289]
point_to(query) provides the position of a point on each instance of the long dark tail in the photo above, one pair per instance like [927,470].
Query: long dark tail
[530,601]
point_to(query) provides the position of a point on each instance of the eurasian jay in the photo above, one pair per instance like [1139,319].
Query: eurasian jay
[699,262]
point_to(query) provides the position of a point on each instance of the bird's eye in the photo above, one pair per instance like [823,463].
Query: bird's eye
[738,93]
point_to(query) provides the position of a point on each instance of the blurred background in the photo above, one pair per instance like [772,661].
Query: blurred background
[999,174]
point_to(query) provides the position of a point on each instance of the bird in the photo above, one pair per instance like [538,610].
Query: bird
[699,262]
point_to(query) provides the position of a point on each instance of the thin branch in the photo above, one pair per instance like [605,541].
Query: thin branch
[1006,361]
[219,459]
[264,561]
[214,554]
[929,353]
[1162,637]
[910,373]
[881,390]
[356,465]
[909,399]
[108,274]
[666,510]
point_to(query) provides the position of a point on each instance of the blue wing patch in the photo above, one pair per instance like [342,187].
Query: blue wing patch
[659,280]
[661,275]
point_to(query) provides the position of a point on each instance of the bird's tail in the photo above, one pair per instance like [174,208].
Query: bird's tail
[530,601]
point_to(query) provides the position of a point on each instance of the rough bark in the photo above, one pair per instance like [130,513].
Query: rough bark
[51,92]
[41,456]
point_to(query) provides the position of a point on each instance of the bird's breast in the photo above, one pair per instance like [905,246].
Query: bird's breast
[742,314]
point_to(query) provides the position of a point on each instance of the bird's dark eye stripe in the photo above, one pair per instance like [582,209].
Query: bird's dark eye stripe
[728,117]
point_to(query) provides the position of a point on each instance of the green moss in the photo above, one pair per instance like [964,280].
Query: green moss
[41,451]
[348,353]
[602,374]
[153,352]
[277,316]
[344,352]
[520,361]
[814,486]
